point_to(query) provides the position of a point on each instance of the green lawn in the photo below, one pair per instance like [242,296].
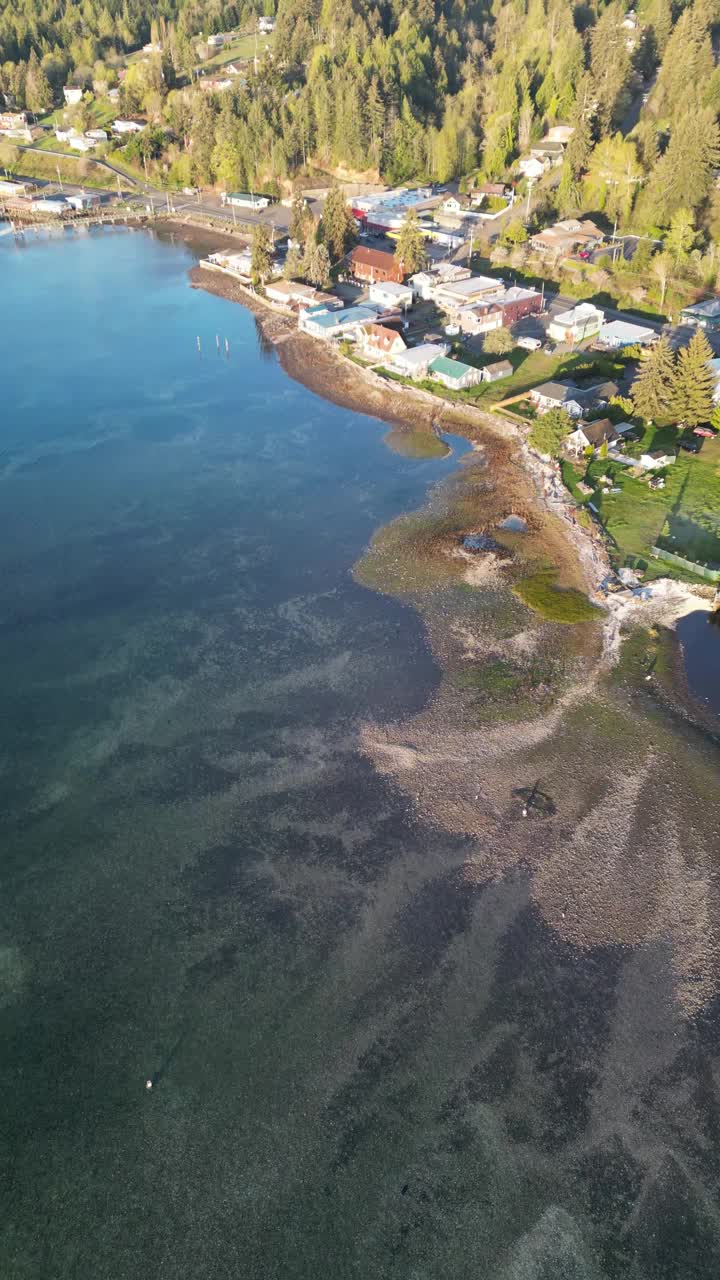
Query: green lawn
[241,49]
[684,517]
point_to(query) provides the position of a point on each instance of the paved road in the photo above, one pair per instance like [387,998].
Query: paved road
[69,155]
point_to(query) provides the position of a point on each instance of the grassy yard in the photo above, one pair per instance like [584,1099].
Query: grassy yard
[533,367]
[240,49]
[684,517]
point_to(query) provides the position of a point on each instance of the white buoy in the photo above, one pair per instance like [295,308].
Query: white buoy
[148,1084]
[525,813]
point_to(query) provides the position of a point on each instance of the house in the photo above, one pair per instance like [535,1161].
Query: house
[374,266]
[488,190]
[415,362]
[566,236]
[214,84]
[532,168]
[14,124]
[265,25]
[584,321]
[499,369]
[463,293]
[599,394]
[389,293]
[548,151]
[656,459]
[291,292]
[557,395]
[481,318]
[704,314]
[619,334]
[72,95]
[456,204]
[113,95]
[129,124]
[152,47]
[217,41]
[377,342]
[236,264]
[81,142]
[560,133]
[424,283]
[320,322]
[245,200]
[517,303]
[454,374]
[592,435]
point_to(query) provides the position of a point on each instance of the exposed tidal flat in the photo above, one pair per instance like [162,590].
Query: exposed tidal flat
[268,727]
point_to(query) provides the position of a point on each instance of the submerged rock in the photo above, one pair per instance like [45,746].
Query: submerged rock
[479,542]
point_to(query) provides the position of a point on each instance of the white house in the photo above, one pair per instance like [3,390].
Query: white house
[245,200]
[656,459]
[454,374]
[377,342]
[499,369]
[592,435]
[129,124]
[584,321]
[85,199]
[557,395]
[72,95]
[389,294]
[81,142]
[531,167]
[620,334]
[415,361]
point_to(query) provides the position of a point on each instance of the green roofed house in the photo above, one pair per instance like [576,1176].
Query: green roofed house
[705,314]
[454,374]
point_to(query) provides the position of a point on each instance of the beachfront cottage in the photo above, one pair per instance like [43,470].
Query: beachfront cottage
[591,435]
[415,361]
[373,266]
[499,369]
[391,295]
[584,321]
[453,374]
[378,342]
[322,323]
[291,293]
[557,395]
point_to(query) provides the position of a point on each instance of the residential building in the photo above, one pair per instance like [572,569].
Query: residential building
[214,84]
[584,321]
[236,264]
[81,142]
[517,303]
[618,334]
[320,322]
[386,211]
[454,374]
[592,435]
[72,95]
[566,236]
[129,124]
[113,95]
[378,342]
[499,369]
[265,25]
[152,47]
[656,459]
[291,292]
[456,204]
[245,200]
[532,168]
[415,362]
[704,314]
[557,395]
[498,190]
[481,318]
[463,293]
[14,124]
[389,293]
[374,266]
[548,151]
[218,40]
[560,133]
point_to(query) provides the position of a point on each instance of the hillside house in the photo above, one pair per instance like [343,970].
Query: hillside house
[72,95]
[456,205]
[373,266]
[557,395]
[567,236]
[548,150]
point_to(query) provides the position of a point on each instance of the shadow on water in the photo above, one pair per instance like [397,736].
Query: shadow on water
[699,635]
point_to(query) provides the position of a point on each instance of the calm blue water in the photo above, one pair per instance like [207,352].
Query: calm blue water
[365,1063]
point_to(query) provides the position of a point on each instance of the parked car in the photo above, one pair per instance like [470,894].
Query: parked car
[691,446]
[529,344]
[706,432]
[585,255]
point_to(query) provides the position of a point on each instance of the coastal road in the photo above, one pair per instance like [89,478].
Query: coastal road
[68,155]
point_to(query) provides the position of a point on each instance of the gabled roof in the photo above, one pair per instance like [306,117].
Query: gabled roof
[598,432]
[499,367]
[559,391]
[455,369]
[372,257]
[382,338]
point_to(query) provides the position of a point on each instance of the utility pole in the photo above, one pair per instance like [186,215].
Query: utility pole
[57,166]
[527,206]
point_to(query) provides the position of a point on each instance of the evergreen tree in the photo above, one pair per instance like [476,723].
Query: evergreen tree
[694,381]
[610,66]
[316,265]
[653,389]
[337,227]
[681,237]
[410,249]
[549,433]
[261,263]
[299,219]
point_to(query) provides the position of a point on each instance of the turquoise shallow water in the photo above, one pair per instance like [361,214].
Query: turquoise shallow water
[365,1065]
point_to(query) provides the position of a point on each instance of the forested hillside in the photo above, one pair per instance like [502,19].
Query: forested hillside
[424,89]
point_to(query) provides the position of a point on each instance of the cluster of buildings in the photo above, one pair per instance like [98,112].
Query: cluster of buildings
[568,236]
[547,153]
[16,125]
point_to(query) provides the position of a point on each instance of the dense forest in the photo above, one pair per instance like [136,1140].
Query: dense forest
[426,89]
